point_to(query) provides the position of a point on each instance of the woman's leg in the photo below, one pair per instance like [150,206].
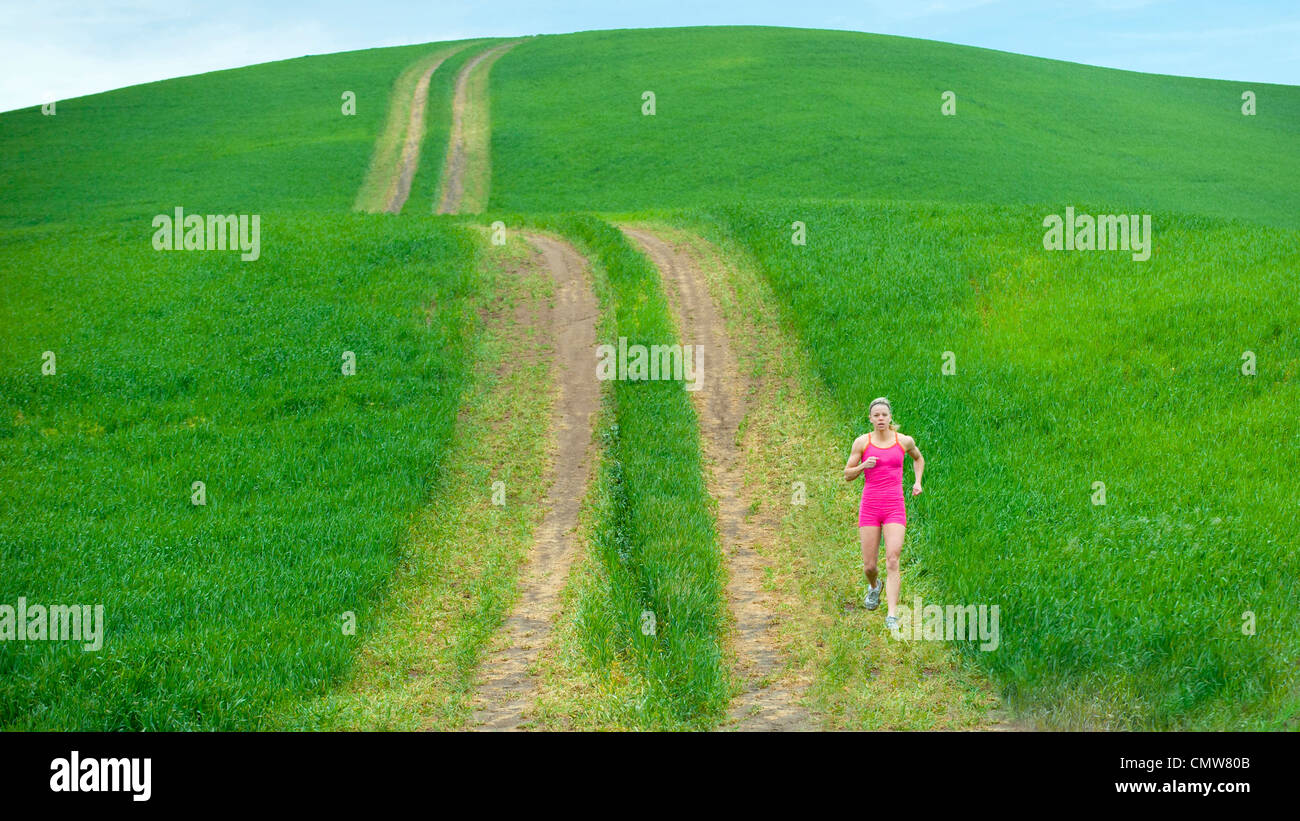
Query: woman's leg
[870,551]
[893,549]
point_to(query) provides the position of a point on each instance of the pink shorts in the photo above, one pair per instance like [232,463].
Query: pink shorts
[875,514]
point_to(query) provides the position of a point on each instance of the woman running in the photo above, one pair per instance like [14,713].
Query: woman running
[878,457]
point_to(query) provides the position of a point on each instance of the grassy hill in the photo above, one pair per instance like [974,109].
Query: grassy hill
[924,237]
[256,139]
[176,367]
[771,114]
[1073,369]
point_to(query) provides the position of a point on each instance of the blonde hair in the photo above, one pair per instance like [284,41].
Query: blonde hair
[880,400]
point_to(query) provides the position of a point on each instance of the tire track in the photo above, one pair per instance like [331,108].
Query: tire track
[508,688]
[400,187]
[768,703]
[452,194]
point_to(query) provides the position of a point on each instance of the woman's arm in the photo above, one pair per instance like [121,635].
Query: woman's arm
[856,465]
[918,463]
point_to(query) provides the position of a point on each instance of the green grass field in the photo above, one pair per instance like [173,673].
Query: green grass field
[170,371]
[1072,369]
[924,246]
[249,140]
[745,114]
[176,367]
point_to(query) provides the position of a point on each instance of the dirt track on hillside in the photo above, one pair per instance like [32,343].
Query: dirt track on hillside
[507,687]
[768,703]
[400,188]
[453,173]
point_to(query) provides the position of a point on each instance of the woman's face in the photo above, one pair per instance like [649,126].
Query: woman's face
[880,416]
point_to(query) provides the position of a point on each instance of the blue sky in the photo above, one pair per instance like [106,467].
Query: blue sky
[55,49]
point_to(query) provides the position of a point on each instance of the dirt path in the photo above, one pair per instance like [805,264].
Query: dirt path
[836,654]
[400,188]
[768,703]
[508,688]
[463,145]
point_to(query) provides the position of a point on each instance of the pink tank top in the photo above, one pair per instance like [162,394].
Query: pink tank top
[884,482]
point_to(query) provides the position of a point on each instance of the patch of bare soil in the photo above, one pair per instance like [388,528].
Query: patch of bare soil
[453,174]
[769,703]
[508,687]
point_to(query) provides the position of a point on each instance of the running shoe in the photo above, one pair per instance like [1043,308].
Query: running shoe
[891,622]
[872,601]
